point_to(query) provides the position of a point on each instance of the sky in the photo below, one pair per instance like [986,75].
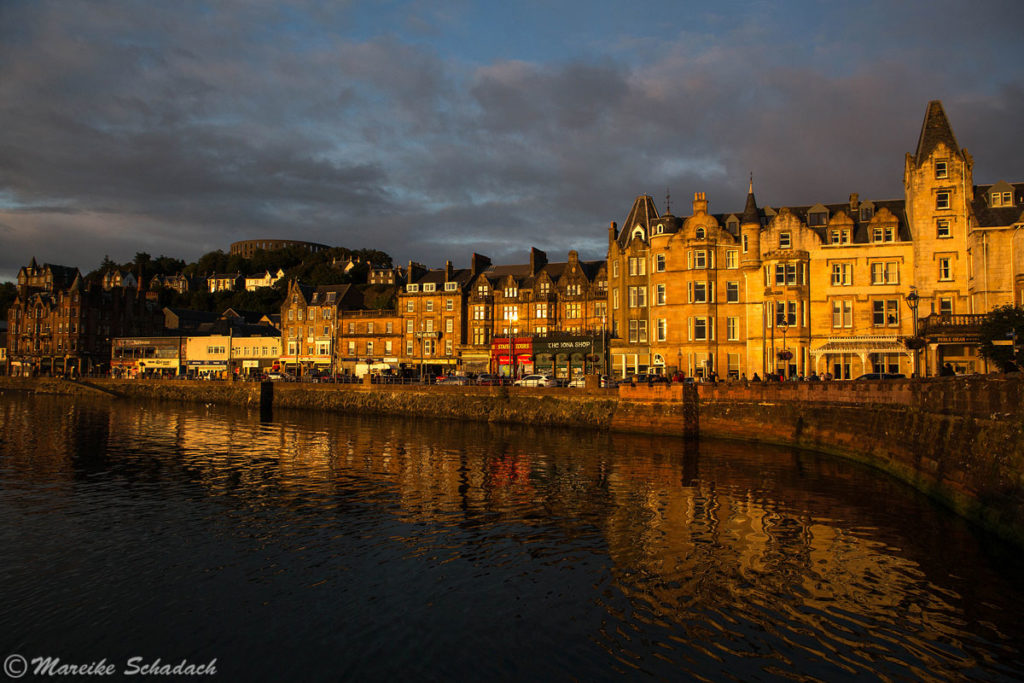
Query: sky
[435,129]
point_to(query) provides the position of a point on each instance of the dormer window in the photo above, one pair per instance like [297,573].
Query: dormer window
[660,229]
[450,286]
[866,212]
[883,234]
[1001,199]
[941,170]
[817,219]
[429,287]
[785,240]
[638,231]
[700,233]
[412,288]
[733,226]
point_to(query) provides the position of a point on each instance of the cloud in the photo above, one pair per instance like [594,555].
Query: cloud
[181,128]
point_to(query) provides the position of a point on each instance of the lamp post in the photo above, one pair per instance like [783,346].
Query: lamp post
[913,301]
[784,354]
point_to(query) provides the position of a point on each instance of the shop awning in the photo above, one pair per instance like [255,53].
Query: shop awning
[860,345]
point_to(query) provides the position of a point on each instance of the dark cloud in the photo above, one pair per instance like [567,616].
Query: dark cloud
[180,128]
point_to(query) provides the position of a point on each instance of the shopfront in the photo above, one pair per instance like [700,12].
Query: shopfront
[565,356]
[512,357]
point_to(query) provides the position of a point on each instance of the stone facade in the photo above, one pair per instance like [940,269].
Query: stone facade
[823,288]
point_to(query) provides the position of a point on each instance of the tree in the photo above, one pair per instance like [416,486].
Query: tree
[8,292]
[1002,324]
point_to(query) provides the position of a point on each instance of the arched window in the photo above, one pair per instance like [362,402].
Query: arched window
[659,359]
[638,231]
[660,229]
[700,233]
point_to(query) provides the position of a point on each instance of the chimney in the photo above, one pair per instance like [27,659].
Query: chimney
[448,271]
[538,259]
[700,203]
[854,202]
[613,232]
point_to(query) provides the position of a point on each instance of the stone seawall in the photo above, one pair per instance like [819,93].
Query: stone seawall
[959,440]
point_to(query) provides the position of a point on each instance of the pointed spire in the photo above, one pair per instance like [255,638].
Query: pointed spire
[750,211]
[934,130]
[668,201]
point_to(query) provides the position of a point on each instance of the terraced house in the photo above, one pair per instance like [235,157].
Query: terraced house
[309,326]
[833,288]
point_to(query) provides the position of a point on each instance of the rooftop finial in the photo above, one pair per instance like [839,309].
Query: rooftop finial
[751,190]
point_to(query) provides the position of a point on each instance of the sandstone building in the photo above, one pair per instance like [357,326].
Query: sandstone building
[821,288]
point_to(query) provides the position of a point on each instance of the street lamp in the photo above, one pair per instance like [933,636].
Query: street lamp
[785,354]
[913,301]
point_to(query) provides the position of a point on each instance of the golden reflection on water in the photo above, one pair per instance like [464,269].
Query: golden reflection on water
[720,560]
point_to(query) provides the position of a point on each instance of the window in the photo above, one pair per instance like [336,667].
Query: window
[351,328]
[840,237]
[409,326]
[600,309]
[659,295]
[699,234]
[785,274]
[785,240]
[744,244]
[815,219]
[449,304]
[429,287]
[637,266]
[300,314]
[732,329]
[637,297]
[351,348]
[428,347]
[510,312]
[369,348]
[389,327]
[387,347]
[698,292]
[448,347]
[942,200]
[480,313]
[449,325]
[410,306]
[733,226]
[732,292]
[540,311]
[545,287]
[573,290]
[732,259]
[573,310]
[885,273]
[428,325]
[615,268]
[945,268]
[483,289]
[480,335]
[700,259]
[942,228]
[662,329]
[638,331]
[700,329]
[866,212]
[881,234]
[941,170]
[946,305]
[451,286]
[408,348]
[659,263]
[842,274]
[511,292]
[412,288]
[615,299]
[885,312]
[785,313]
[429,306]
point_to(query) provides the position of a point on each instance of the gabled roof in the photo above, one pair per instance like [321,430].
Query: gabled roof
[934,130]
[644,213]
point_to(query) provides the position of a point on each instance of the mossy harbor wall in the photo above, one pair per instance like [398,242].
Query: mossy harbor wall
[961,440]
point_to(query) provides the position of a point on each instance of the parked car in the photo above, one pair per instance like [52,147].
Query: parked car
[453,380]
[280,377]
[883,375]
[536,381]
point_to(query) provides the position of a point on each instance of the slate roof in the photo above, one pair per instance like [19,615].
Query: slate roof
[934,130]
[989,217]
